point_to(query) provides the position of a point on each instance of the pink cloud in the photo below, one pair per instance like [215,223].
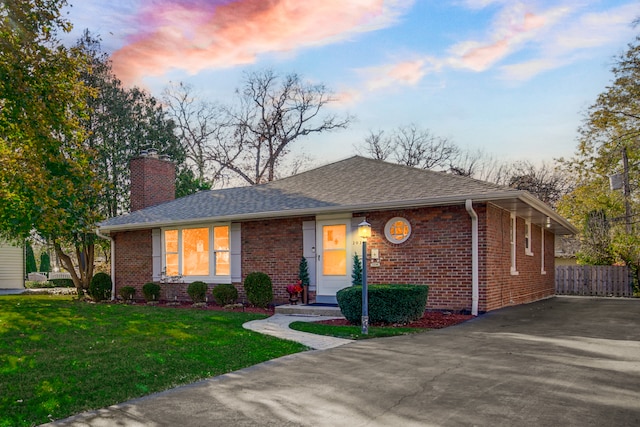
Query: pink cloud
[197,34]
[481,58]
[406,73]
[533,22]
[513,27]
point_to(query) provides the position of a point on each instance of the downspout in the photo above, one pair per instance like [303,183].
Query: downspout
[475,287]
[113,262]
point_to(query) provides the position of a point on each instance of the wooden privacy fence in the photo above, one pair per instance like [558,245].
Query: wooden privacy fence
[596,280]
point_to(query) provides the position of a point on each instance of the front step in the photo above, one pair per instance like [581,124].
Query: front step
[309,310]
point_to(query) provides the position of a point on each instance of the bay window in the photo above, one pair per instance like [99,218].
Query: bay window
[201,252]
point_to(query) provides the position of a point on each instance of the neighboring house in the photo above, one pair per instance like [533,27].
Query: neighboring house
[11,266]
[478,246]
[566,249]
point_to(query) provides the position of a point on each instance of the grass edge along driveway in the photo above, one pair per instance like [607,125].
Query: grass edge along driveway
[59,357]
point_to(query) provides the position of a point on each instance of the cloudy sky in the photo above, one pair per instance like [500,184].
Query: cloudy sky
[510,77]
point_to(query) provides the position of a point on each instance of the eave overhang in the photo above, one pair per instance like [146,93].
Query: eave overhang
[522,203]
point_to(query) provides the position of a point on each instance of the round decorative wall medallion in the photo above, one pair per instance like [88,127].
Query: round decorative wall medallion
[397,230]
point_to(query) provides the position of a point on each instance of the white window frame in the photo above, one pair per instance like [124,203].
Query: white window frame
[212,277]
[527,238]
[514,228]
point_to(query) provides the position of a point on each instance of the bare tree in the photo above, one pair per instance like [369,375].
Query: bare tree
[376,146]
[274,112]
[420,148]
[411,146]
[545,182]
[200,126]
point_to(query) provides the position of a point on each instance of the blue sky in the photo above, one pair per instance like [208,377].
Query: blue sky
[511,78]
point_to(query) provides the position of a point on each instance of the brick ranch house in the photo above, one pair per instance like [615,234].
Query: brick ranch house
[478,246]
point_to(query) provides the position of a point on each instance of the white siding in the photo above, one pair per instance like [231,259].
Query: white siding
[11,267]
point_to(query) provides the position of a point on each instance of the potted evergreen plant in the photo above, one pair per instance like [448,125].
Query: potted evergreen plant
[303,279]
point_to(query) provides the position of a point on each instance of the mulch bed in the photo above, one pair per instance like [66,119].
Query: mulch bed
[430,320]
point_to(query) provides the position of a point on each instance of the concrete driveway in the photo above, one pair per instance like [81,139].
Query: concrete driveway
[559,362]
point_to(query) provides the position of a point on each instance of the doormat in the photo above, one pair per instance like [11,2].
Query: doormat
[322,304]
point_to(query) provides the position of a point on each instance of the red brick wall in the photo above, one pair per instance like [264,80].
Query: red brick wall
[437,254]
[134,267]
[273,247]
[500,288]
[152,182]
[133,261]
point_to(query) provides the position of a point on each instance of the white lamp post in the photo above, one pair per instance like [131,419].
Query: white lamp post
[364,232]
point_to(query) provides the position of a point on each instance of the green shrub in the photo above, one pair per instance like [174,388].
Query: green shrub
[68,283]
[127,292]
[151,291]
[356,275]
[387,303]
[225,294]
[259,289]
[100,287]
[30,260]
[303,272]
[45,262]
[197,291]
[62,283]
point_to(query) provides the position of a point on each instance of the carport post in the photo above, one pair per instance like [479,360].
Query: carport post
[364,231]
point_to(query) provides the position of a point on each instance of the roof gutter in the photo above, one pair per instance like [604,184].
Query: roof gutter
[113,264]
[475,284]
[521,195]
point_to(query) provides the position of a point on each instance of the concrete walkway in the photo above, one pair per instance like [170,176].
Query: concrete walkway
[559,362]
[11,291]
[278,326]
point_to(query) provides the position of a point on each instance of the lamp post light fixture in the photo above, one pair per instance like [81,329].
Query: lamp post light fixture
[364,232]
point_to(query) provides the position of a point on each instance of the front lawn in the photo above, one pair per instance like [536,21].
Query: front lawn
[59,357]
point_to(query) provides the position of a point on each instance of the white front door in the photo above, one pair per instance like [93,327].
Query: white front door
[333,258]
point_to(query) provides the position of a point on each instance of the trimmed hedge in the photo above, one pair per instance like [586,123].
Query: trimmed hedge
[387,303]
[259,289]
[100,287]
[197,291]
[151,291]
[127,292]
[61,283]
[225,294]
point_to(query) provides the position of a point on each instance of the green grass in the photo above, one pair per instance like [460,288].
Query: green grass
[352,332]
[59,357]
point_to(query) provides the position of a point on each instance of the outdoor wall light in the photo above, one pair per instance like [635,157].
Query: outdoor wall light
[364,232]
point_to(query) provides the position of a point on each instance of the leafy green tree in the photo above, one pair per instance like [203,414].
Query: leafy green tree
[609,145]
[187,182]
[46,182]
[121,123]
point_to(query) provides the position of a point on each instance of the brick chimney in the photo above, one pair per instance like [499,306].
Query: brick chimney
[152,180]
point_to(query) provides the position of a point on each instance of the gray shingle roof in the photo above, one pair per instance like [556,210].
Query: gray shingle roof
[356,183]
